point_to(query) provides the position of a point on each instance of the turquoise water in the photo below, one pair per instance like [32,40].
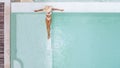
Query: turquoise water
[28,40]
[79,40]
[86,40]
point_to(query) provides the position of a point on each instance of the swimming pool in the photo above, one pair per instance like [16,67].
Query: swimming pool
[79,40]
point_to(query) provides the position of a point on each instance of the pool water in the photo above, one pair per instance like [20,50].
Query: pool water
[28,40]
[86,40]
[79,40]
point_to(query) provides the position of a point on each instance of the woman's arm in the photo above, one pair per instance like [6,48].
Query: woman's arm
[38,10]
